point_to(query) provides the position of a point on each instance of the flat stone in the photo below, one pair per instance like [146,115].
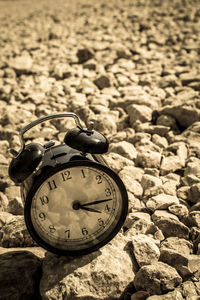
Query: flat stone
[175,295]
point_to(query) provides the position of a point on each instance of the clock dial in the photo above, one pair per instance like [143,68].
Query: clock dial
[77,209]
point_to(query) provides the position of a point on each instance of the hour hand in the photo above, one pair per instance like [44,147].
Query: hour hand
[90,209]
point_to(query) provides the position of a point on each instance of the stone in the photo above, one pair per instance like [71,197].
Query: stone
[187,78]
[145,250]
[148,159]
[15,234]
[99,275]
[175,295]
[12,191]
[132,185]
[161,201]
[21,64]
[84,55]
[102,82]
[136,172]
[139,112]
[117,162]
[194,193]
[3,202]
[20,275]
[188,289]
[159,214]
[16,206]
[160,141]
[167,121]
[179,210]
[177,260]
[5,217]
[170,164]
[124,148]
[157,278]
[150,184]
[106,124]
[171,228]
[185,115]
[140,295]
[193,219]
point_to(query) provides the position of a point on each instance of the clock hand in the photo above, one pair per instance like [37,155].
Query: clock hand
[95,202]
[90,209]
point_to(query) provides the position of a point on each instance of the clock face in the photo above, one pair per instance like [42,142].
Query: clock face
[77,209]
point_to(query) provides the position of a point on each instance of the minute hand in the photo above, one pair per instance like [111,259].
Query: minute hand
[95,202]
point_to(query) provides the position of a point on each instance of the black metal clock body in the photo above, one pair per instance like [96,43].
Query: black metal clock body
[73,202]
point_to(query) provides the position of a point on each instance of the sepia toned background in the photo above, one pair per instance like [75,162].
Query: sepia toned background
[134,68]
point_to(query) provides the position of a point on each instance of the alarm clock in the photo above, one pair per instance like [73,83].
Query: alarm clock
[73,202]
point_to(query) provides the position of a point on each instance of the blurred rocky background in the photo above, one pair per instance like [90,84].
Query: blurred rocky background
[133,67]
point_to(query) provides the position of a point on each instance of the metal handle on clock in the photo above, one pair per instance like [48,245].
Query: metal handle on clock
[43,119]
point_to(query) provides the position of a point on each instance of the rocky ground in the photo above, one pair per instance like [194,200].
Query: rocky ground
[133,67]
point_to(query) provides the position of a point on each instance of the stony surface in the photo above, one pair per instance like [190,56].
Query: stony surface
[133,67]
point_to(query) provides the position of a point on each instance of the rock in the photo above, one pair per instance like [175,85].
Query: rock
[170,164]
[12,191]
[188,290]
[193,219]
[148,159]
[171,227]
[94,276]
[185,115]
[136,173]
[139,112]
[159,141]
[21,64]
[180,245]
[16,206]
[106,123]
[15,234]
[187,78]
[102,82]
[168,121]
[3,202]
[161,201]
[145,250]
[159,214]
[175,295]
[84,55]
[20,275]
[117,162]
[179,210]
[157,278]
[151,185]
[5,217]
[194,193]
[176,260]
[124,148]
[140,295]
[132,185]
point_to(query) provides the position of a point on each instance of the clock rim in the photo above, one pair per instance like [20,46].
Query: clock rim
[48,173]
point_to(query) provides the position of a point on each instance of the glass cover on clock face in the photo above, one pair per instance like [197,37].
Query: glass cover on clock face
[77,209]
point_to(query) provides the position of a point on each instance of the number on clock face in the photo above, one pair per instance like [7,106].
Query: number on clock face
[76,207]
